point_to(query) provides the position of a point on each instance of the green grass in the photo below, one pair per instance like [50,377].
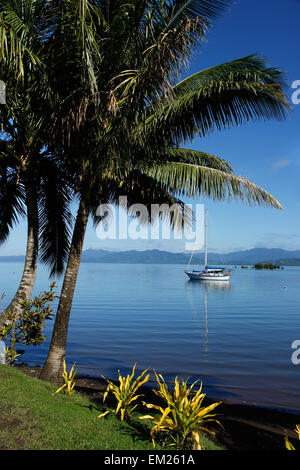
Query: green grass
[33,419]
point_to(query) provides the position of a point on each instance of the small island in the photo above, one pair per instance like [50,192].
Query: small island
[266,266]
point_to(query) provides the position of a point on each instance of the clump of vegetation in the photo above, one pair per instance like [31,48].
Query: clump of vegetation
[125,393]
[27,328]
[61,424]
[10,355]
[266,266]
[288,444]
[68,377]
[183,417]
[244,267]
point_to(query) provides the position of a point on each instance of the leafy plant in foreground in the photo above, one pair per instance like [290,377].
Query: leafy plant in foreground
[183,417]
[125,393]
[27,327]
[288,444]
[68,377]
[10,355]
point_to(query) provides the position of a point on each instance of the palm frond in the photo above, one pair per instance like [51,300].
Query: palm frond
[198,181]
[250,69]
[55,217]
[19,33]
[145,192]
[194,157]
[220,97]
[140,194]
[12,200]
[204,8]
[161,16]
[160,62]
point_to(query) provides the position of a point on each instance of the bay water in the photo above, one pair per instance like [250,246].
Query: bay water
[236,336]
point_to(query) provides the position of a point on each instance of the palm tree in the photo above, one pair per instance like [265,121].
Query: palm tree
[19,148]
[143,114]
[32,179]
[34,183]
[15,196]
[43,193]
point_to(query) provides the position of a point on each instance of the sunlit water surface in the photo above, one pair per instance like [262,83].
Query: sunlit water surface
[235,336]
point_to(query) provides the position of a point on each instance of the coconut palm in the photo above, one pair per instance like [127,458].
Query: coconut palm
[128,102]
[19,147]
[43,193]
[33,182]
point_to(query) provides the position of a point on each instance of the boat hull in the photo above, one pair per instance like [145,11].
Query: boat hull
[201,276]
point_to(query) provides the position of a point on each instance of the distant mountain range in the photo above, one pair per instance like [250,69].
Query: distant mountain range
[247,257]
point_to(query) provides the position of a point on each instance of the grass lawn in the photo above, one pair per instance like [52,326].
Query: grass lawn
[33,419]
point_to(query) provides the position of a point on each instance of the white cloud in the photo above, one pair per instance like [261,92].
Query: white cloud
[282,163]
[287,241]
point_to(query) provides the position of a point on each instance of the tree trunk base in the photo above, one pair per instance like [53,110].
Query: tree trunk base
[54,366]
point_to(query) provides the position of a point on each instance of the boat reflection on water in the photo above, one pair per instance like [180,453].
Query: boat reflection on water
[220,285]
[209,285]
[200,310]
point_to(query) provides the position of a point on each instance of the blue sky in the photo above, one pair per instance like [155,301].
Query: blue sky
[268,153]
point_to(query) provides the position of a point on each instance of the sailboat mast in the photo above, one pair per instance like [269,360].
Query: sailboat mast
[206,223]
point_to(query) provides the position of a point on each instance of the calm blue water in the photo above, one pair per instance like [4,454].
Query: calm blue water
[235,336]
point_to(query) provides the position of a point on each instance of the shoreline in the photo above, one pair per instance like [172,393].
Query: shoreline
[246,427]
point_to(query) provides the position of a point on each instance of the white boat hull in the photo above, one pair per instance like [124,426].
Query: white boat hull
[201,276]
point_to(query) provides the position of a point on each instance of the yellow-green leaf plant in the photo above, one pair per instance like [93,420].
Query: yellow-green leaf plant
[10,355]
[125,393]
[183,417]
[288,444]
[68,377]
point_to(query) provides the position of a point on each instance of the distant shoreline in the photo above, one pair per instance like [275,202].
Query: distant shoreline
[275,256]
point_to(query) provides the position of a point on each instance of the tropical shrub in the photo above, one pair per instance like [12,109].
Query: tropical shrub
[288,444]
[10,355]
[27,328]
[183,417]
[68,377]
[125,393]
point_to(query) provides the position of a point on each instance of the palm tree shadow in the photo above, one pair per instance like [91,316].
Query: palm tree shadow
[136,429]
[92,407]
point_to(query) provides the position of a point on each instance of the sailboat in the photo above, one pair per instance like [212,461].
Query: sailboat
[210,273]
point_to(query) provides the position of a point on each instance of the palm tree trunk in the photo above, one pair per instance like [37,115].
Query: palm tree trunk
[53,367]
[31,259]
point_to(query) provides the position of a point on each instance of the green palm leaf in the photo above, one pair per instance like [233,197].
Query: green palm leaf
[12,202]
[220,97]
[55,218]
[147,197]
[194,9]
[198,181]
[193,157]
[21,25]
[250,69]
